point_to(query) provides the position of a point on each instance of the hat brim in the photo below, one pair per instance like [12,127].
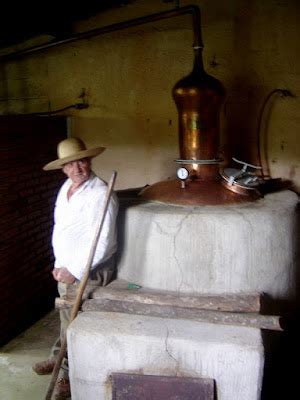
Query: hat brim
[59,163]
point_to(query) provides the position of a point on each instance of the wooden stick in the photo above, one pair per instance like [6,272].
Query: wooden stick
[81,286]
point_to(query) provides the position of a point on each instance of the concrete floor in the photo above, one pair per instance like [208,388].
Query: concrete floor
[17,379]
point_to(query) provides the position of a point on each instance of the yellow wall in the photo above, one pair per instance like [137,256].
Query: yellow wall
[252,46]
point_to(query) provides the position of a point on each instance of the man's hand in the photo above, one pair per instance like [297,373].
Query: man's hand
[63,275]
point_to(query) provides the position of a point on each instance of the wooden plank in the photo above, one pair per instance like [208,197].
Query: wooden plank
[119,291]
[255,320]
[233,303]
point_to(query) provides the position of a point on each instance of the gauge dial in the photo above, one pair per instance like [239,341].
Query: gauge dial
[182,173]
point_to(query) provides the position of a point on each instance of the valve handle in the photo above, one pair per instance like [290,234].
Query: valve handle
[245,165]
[242,172]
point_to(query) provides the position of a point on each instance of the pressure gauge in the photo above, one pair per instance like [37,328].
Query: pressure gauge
[182,173]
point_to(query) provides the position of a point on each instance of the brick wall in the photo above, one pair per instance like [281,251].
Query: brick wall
[27,194]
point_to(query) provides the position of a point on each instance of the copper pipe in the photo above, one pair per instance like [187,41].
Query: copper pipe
[263,159]
[191,9]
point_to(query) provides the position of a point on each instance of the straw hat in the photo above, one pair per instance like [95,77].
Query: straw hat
[72,149]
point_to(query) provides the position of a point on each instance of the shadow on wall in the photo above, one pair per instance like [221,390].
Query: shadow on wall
[282,348]
[127,198]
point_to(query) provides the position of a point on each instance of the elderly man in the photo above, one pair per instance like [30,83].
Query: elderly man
[76,216]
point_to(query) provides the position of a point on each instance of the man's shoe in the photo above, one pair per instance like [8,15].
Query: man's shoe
[44,367]
[62,389]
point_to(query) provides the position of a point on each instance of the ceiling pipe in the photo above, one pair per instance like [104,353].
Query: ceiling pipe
[191,9]
[198,97]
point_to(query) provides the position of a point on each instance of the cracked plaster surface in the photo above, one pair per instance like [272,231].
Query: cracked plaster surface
[213,249]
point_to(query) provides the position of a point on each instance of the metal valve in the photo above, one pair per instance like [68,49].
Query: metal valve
[243,173]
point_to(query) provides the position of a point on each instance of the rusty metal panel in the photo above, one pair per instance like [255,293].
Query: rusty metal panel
[154,387]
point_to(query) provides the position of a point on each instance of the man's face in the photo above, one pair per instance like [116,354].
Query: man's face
[78,171]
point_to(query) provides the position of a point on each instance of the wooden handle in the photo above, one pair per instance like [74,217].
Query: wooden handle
[81,286]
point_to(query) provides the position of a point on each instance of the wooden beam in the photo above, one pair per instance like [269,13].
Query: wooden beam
[119,291]
[255,320]
[230,309]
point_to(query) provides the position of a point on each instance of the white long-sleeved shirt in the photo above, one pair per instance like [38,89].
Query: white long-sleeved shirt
[75,223]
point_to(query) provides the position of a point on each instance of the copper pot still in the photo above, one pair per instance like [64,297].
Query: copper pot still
[199,98]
